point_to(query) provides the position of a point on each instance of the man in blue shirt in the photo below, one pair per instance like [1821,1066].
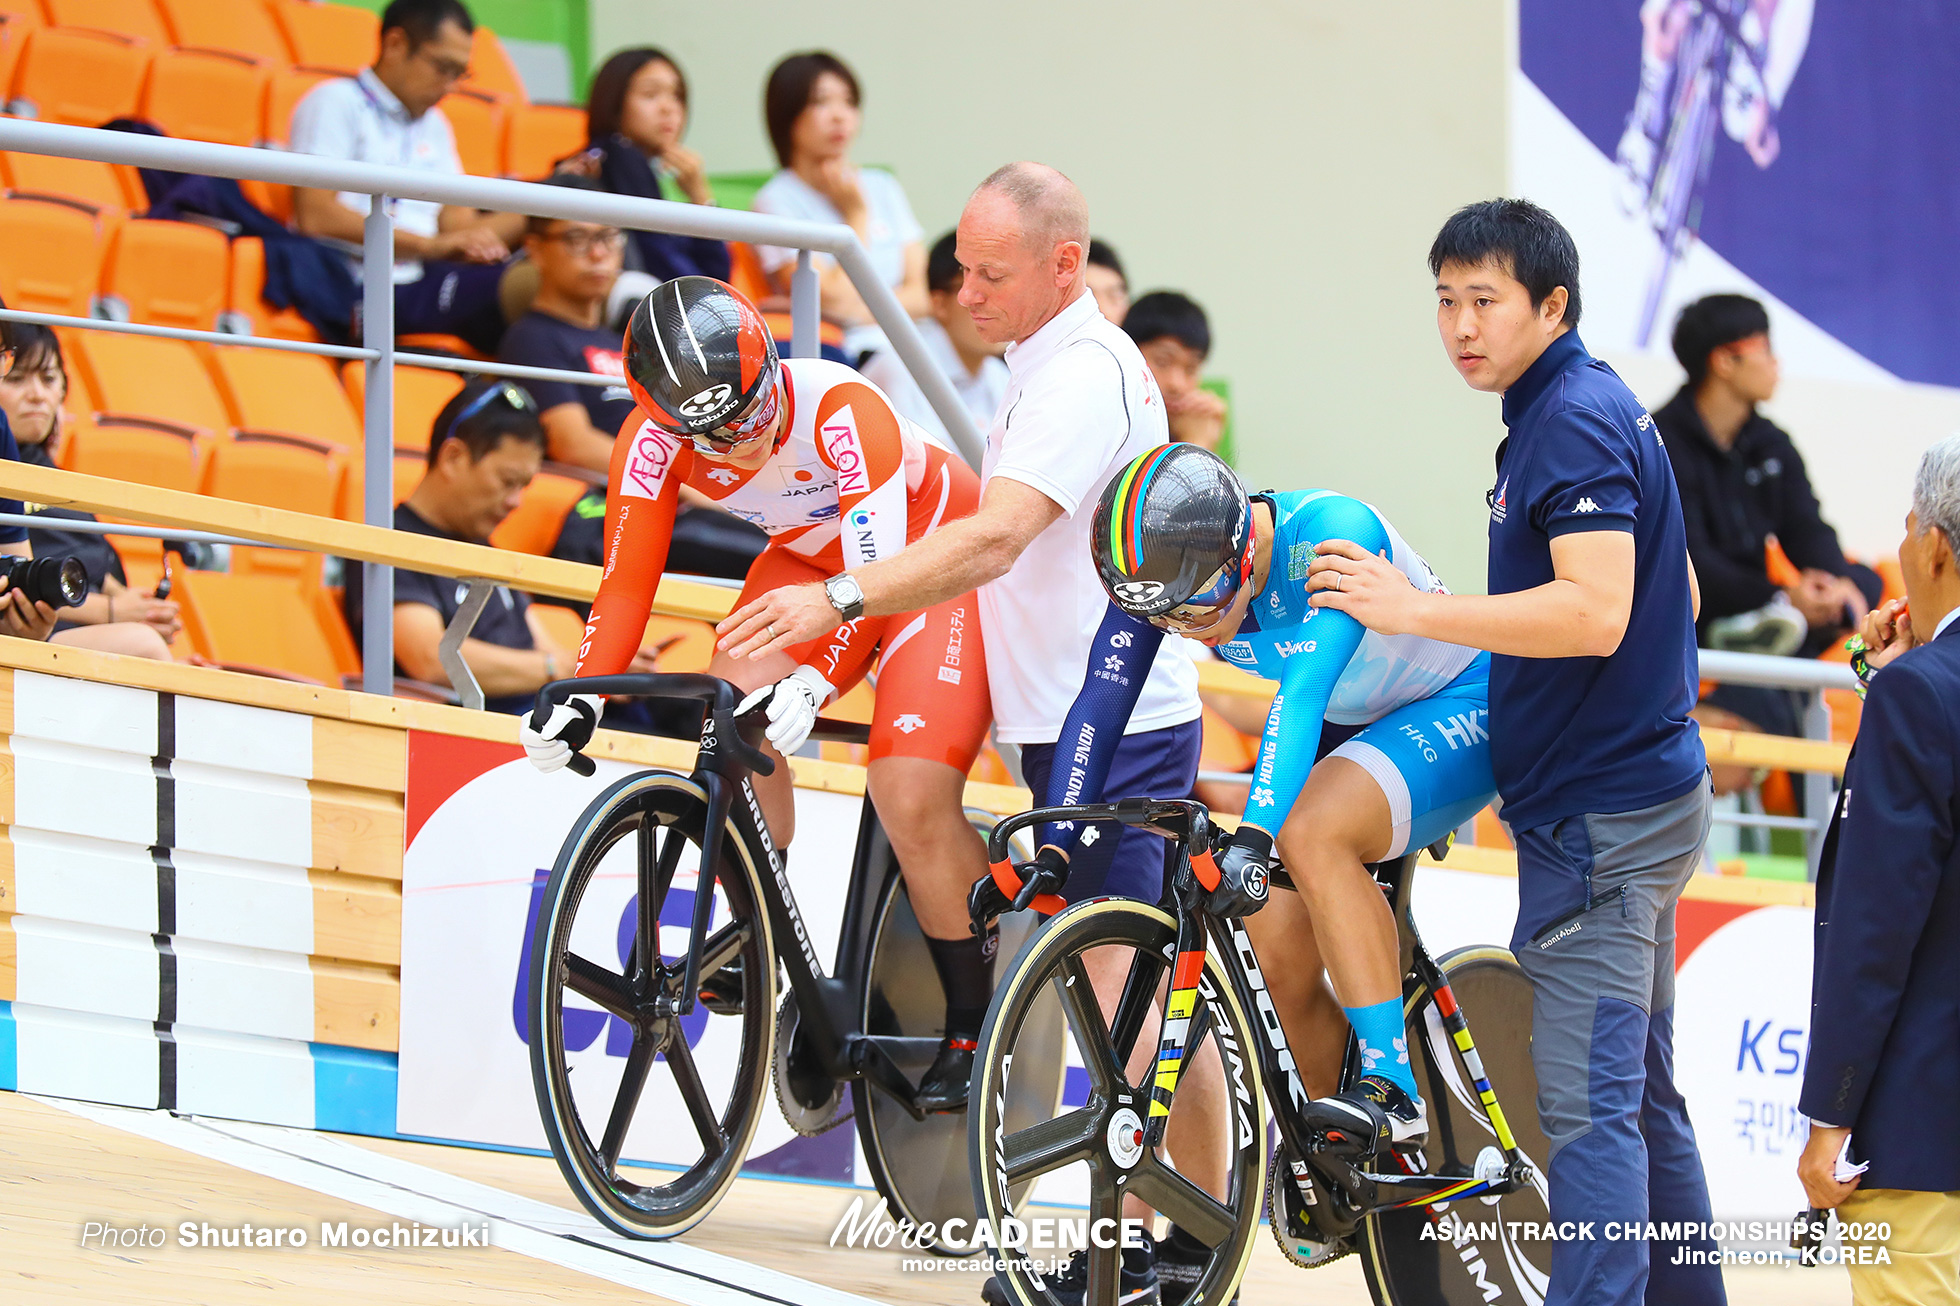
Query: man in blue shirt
[1590,621]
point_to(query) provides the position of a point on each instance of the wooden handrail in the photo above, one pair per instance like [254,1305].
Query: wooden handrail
[557,578]
[551,577]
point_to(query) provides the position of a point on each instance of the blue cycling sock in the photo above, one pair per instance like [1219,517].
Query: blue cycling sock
[1384,1042]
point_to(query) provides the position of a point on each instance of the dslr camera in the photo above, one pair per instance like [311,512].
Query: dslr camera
[57,582]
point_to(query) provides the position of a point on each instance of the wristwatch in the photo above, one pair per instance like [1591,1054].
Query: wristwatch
[846,596]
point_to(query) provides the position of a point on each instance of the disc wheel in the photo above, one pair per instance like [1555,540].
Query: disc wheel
[1403,1266]
[609,1046]
[921,1166]
[1106,1133]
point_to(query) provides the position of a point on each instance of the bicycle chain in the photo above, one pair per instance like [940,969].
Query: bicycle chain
[809,1121]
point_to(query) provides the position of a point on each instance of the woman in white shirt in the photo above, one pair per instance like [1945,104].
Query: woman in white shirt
[811,106]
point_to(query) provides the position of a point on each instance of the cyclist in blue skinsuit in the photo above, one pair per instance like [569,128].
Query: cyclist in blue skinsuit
[1374,745]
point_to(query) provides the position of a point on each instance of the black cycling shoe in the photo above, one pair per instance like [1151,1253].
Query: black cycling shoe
[944,1086]
[721,992]
[1181,1261]
[1373,1116]
[1137,1286]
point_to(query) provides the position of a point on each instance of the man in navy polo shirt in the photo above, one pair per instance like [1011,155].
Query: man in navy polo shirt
[1590,620]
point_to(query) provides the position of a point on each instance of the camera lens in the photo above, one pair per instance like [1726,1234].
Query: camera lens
[57,582]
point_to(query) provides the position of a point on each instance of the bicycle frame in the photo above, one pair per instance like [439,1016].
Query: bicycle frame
[1186,1016]
[826,1003]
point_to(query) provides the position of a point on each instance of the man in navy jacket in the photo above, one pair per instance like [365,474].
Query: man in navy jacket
[1885,1000]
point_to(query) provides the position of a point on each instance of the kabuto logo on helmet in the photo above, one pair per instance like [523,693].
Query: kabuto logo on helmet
[705,403]
[1140,591]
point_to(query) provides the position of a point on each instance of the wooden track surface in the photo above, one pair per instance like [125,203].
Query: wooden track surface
[59,1170]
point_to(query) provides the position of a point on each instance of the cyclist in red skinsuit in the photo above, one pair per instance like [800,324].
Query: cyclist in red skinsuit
[816,456]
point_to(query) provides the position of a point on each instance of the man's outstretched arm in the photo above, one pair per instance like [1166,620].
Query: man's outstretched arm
[955,559]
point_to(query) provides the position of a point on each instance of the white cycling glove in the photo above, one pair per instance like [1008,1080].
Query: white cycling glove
[793,703]
[568,729]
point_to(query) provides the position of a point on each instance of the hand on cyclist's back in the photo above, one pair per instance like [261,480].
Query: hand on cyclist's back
[551,743]
[1244,869]
[792,704]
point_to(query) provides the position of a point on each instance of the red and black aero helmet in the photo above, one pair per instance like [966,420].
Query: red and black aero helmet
[698,355]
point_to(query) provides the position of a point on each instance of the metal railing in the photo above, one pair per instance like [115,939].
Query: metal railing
[378,304]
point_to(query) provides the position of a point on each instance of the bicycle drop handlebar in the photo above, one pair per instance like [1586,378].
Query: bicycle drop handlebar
[1182,820]
[722,738]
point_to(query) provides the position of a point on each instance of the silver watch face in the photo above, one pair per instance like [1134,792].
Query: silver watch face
[844,592]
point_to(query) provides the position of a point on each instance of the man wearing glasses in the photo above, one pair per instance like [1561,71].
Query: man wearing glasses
[818,458]
[450,262]
[578,266]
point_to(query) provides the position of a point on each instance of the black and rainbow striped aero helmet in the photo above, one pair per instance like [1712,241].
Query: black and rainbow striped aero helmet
[1172,536]
[699,356]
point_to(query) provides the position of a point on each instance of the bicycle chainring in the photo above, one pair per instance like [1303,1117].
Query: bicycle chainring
[811,1100]
[1288,1218]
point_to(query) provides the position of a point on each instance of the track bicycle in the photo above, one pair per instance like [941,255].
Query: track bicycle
[1327,1193]
[710,923]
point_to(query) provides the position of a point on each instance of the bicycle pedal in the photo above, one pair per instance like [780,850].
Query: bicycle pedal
[722,992]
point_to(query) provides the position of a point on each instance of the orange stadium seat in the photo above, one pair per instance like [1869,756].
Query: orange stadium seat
[491,71]
[420,394]
[200,96]
[17,19]
[133,18]
[539,135]
[82,180]
[277,471]
[80,403]
[409,466]
[142,376]
[272,390]
[478,121]
[53,256]
[259,623]
[693,647]
[243,27]
[540,514]
[168,273]
[246,296]
[336,37]
[139,449]
[283,91]
[563,627]
[80,78]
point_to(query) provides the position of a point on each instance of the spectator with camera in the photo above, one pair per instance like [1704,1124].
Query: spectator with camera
[485,448]
[113,618]
[1884,1041]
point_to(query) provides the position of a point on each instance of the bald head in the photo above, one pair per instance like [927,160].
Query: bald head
[1022,241]
[1050,209]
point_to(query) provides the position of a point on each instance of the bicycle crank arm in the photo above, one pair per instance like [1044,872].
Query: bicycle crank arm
[872,1065]
[1393,1191]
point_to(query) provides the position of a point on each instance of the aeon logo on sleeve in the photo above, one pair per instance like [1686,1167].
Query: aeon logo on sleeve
[845,452]
[652,457]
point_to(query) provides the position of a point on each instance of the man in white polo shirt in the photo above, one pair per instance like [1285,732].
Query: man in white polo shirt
[450,262]
[1079,405]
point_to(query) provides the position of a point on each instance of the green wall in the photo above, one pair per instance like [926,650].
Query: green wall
[561,22]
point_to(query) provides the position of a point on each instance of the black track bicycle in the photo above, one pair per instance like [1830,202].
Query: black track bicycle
[1325,1194]
[693,1001]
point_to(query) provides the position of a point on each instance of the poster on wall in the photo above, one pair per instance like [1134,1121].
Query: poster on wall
[1796,151]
